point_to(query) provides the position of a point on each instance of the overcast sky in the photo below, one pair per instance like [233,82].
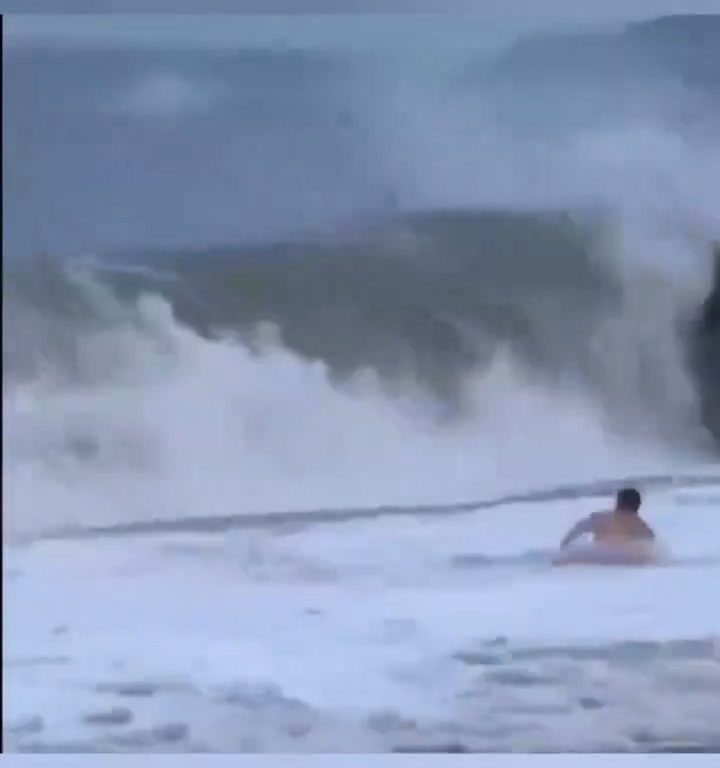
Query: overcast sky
[462,23]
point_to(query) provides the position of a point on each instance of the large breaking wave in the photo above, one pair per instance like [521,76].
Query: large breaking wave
[519,311]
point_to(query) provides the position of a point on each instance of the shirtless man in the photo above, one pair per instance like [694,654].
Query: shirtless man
[621,534]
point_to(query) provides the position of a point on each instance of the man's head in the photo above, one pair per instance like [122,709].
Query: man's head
[628,501]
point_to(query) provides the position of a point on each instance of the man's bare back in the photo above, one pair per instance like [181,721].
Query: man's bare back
[610,528]
[621,531]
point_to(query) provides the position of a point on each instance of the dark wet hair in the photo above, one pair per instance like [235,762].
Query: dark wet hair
[629,499]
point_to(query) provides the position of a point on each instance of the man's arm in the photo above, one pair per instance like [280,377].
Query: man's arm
[648,532]
[586,525]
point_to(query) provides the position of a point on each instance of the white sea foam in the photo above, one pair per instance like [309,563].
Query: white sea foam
[343,635]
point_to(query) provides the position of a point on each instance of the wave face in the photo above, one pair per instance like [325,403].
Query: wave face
[274,281]
[421,301]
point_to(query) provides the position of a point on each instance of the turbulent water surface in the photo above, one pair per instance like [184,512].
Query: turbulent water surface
[309,359]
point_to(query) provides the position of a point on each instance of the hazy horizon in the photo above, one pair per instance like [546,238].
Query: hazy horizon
[491,26]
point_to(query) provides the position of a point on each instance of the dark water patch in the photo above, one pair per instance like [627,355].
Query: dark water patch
[299,728]
[711,748]
[538,710]
[134,690]
[114,716]
[625,652]
[388,721]
[267,703]
[451,748]
[522,678]
[143,688]
[591,702]
[37,661]
[252,695]
[471,561]
[63,747]
[693,649]
[172,737]
[26,726]
[496,642]
[533,557]
[171,732]
[479,658]
[262,698]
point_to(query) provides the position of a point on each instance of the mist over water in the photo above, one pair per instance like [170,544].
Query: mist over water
[288,280]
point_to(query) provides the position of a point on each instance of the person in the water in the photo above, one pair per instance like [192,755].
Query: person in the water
[618,532]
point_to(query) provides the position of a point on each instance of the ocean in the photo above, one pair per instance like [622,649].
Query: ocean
[310,359]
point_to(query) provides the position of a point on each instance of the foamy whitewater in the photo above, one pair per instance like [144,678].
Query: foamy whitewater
[309,362]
